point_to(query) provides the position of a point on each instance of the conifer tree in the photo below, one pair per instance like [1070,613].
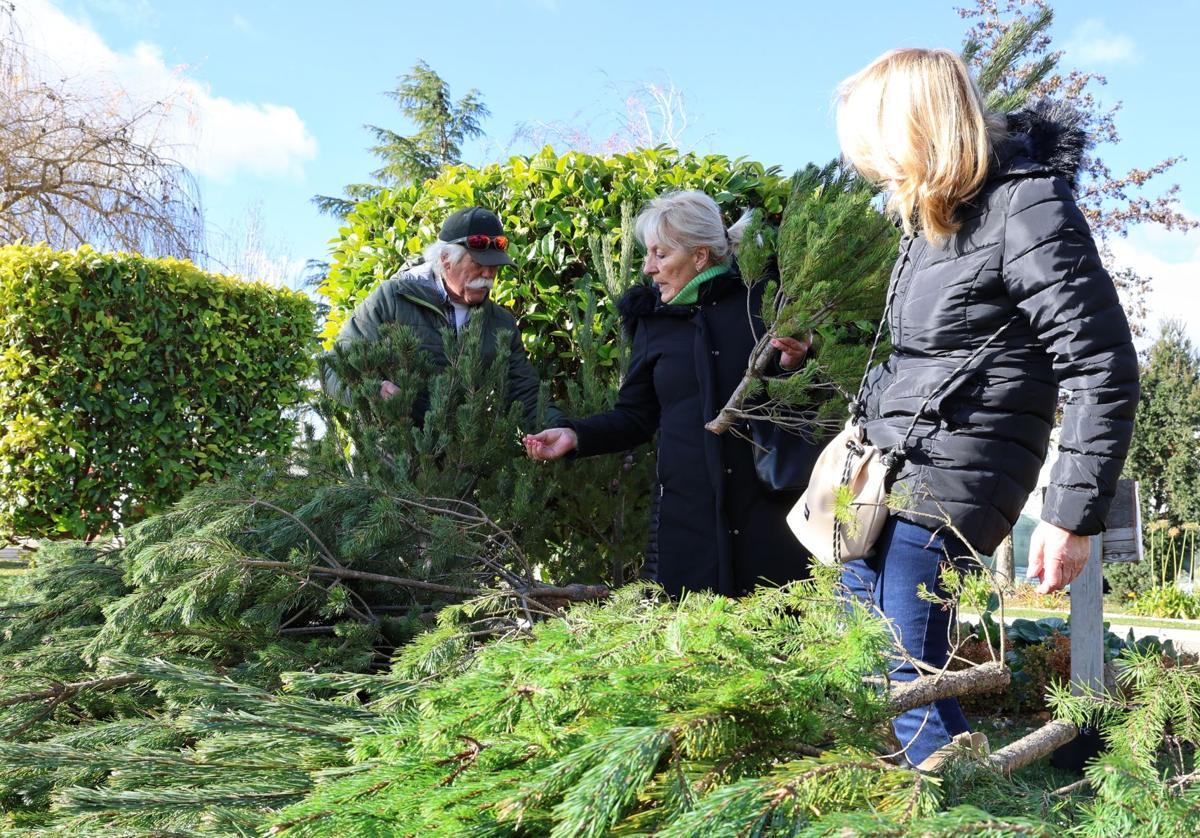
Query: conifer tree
[1009,48]
[321,562]
[442,125]
[1164,456]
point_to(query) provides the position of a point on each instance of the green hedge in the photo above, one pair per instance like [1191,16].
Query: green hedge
[552,207]
[125,380]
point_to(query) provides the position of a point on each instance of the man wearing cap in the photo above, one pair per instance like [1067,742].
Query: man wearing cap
[440,294]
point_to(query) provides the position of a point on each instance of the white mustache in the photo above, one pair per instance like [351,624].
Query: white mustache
[480,284]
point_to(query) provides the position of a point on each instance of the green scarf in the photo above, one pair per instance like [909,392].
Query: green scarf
[691,291]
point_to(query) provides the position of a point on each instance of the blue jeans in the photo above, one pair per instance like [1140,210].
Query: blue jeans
[905,556]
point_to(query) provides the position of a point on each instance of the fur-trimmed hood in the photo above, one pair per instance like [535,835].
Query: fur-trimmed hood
[639,301]
[643,300]
[1049,133]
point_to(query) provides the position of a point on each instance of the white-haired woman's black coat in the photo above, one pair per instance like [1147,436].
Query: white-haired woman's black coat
[713,526]
[1024,256]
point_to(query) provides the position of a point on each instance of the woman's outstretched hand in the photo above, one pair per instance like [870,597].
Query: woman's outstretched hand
[791,351]
[550,444]
[1056,556]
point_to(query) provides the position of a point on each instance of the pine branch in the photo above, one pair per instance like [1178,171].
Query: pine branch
[930,688]
[1031,748]
[833,250]
[762,355]
[577,592]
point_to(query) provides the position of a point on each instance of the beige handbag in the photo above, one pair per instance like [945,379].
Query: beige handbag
[863,472]
[848,460]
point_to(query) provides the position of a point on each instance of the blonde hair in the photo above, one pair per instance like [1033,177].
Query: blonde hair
[914,121]
[686,221]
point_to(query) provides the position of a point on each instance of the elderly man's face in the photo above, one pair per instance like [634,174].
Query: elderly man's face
[467,281]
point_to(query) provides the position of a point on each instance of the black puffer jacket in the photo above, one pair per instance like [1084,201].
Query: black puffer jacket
[1024,256]
[713,526]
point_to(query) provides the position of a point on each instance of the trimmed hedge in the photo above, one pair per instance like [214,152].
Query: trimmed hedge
[125,380]
[552,206]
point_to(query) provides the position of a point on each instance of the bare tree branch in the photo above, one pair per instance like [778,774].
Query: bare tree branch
[1031,748]
[928,689]
[80,168]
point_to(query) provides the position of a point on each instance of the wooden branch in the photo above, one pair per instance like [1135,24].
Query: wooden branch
[1184,779]
[1029,749]
[577,592]
[927,689]
[763,354]
[574,593]
[365,576]
[1072,787]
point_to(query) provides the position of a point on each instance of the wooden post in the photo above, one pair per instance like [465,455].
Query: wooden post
[1087,623]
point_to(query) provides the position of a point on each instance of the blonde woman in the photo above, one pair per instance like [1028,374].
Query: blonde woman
[995,249]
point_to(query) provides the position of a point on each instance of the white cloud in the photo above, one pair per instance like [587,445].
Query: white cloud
[1092,43]
[130,11]
[213,135]
[1172,260]
[241,24]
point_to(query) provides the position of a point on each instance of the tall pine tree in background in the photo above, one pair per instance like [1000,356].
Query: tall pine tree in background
[442,125]
[1165,454]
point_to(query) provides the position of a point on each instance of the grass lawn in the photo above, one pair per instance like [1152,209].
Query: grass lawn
[1011,612]
[9,571]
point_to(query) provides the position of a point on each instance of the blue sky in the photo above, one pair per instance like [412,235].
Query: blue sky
[276,93]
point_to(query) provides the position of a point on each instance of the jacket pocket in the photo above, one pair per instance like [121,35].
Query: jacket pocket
[929,386]
[933,302]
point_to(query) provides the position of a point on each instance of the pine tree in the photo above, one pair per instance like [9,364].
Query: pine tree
[1164,456]
[442,125]
[705,717]
[1009,48]
[321,562]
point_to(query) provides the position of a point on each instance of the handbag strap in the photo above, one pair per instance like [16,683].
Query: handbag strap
[895,455]
[937,391]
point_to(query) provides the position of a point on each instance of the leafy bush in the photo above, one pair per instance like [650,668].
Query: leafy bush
[125,380]
[1036,667]
[557,210]
[1039,654]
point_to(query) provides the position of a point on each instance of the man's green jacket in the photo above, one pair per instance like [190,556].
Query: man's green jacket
[415,300]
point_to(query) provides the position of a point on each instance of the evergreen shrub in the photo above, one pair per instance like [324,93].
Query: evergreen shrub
[125,380]
[553,208]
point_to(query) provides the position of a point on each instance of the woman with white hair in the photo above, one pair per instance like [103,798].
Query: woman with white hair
[713,526]
[998,300]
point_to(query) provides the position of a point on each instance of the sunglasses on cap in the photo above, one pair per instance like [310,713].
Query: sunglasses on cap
[479,241]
